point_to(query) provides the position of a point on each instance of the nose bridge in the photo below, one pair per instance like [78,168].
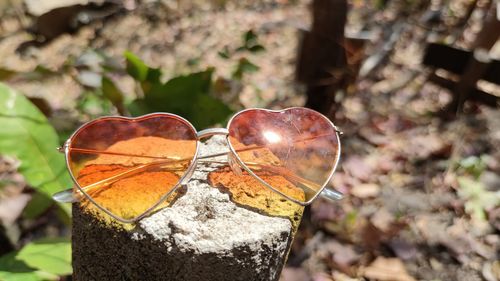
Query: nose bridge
[211,132]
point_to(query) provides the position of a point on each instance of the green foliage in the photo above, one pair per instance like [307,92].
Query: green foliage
[147,76]
[111,92]
[473,165]
[49,255]
[6,74]
[188,95]
[93,104]
[136,67]
[477,197]
[12,269]
[380,4]
[250,43]
[101,93]
[244,66]
[27,135]
[37,205]
[225,53]
[44,259]
[40,72]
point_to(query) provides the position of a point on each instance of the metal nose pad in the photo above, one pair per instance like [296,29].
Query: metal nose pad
[234,165]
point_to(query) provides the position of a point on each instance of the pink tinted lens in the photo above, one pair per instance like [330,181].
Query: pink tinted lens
[127,165]
[298,144]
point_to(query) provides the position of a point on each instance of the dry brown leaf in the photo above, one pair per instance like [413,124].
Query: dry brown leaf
[294,274]
[387,269]
[12,207]
[460,240]
[371,237]
[421,146]
[491,271]
[321,277]
[366,190]
[403,249]
[358,168]
[337,276]
[343,255]
[382,219]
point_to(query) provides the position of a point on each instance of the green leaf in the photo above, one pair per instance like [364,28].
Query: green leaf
[111,91]
[6,74]
[93,104]
[256,48]
[12,269]
[138,107]
[113,94]
[187,96]
[474,165]
[194,82]
[208,111]
[154,75]
[193,61]
[153,78]
[224,53]
[52,255]
[37,206]
[244,66]
[136,67]
[250,38]
[477,197]
[27,135]
[39,73]
[146,75]
[250,43]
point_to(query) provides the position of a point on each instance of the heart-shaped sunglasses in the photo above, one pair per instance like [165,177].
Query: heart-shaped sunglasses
[128,167]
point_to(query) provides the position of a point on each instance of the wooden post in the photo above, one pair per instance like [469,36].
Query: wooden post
[222,227]
[478,64]
[322,58]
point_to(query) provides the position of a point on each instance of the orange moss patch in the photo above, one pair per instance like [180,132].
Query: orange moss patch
[247,191]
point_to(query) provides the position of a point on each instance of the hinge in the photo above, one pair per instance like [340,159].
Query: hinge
[337,129]
[62,148]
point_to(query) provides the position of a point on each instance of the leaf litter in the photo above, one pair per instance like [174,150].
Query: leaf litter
[407,215]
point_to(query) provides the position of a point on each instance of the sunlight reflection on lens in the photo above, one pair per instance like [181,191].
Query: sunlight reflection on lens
[271,137]
[297,145]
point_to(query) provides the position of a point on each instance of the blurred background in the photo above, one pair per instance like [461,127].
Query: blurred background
[413,84]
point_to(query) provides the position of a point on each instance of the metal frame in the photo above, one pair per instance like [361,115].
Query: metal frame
[67,196]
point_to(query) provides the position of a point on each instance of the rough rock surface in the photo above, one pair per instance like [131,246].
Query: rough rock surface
[204,235]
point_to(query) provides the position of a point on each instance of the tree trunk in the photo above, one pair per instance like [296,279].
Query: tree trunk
[222,227]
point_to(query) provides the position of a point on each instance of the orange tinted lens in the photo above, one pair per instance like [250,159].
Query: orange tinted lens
[127,165]
[298,145]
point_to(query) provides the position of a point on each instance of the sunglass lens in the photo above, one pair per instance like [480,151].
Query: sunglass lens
[127,165]
[297,144]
